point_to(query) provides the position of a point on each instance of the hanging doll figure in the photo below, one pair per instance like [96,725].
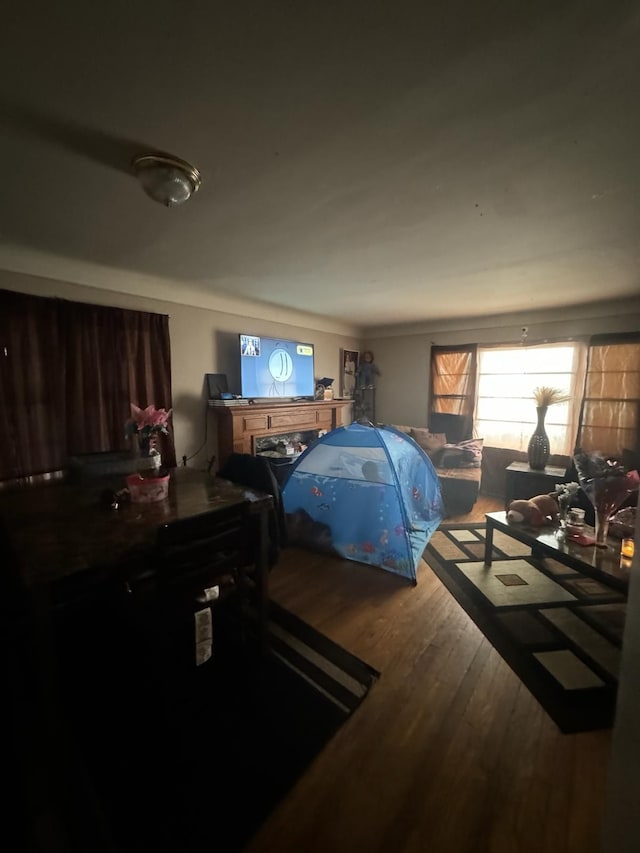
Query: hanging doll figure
[367,370]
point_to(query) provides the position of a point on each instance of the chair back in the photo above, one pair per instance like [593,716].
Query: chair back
[192,553]
[199,563]
[255,472]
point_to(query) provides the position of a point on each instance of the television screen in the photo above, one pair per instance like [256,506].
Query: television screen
[272,367]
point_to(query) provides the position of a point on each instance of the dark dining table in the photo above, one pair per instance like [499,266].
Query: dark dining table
[61,530]
[64,546]
[83,678]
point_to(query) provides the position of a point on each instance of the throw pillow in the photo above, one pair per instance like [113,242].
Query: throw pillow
[402,428]
[429,441]
[464,454]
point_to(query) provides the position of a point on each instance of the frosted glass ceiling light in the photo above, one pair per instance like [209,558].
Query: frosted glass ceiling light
[166,179]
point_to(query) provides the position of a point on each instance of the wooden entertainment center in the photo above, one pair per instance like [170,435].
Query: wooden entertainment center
[240,423]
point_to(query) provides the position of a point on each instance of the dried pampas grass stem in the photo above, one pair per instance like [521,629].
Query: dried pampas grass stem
[545,396]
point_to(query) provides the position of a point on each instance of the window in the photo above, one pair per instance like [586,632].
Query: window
[496,384]
[505,413]
[611,408]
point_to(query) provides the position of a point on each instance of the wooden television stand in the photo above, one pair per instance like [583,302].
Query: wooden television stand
[240,423]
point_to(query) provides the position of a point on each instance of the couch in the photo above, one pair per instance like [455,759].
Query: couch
[456,456]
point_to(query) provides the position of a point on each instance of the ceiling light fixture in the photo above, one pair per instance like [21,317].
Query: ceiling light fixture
[166,179]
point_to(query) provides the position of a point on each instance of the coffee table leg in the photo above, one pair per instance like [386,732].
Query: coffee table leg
[488,543]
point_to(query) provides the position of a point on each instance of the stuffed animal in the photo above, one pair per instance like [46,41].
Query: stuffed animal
[536,511]
[367,371]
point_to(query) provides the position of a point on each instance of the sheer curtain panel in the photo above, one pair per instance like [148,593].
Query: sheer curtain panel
[610,419]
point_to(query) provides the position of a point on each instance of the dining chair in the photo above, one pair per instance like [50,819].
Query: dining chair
[255,472]
[197,590]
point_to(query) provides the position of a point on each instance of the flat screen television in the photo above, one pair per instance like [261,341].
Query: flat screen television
[275,368]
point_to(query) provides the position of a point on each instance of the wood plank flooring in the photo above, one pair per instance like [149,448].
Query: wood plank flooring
[449,752]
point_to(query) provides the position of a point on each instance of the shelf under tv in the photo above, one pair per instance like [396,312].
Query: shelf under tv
[240,422]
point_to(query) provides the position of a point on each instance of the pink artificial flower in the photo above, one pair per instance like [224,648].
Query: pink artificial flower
[155,419]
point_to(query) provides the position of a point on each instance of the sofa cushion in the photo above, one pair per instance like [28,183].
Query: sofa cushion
[429,441]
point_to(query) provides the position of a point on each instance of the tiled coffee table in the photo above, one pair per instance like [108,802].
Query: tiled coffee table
[549,541]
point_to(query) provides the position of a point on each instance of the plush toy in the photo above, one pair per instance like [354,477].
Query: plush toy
[367,371]
[536,511]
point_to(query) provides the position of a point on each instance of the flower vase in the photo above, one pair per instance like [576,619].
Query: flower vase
[149,460]
[607,494]
[602,527]
[539,449]
[564,502]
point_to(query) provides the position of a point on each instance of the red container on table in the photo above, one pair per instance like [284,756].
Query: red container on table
[147,489]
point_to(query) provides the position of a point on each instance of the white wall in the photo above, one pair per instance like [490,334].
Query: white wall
[204,340]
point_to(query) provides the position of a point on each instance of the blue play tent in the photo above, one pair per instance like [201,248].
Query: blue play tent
[366,493]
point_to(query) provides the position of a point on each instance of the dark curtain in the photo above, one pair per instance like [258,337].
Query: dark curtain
[32,397]
[69,373]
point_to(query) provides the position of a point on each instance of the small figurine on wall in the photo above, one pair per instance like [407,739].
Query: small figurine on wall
[367,371]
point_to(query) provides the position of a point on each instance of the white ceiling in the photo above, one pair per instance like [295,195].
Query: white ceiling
[378,162]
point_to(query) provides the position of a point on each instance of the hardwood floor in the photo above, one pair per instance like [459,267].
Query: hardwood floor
[449,752]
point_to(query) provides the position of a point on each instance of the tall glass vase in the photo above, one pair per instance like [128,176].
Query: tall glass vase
[606,495]
[539,449]
[607,485]
[564,502]
[602,526]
